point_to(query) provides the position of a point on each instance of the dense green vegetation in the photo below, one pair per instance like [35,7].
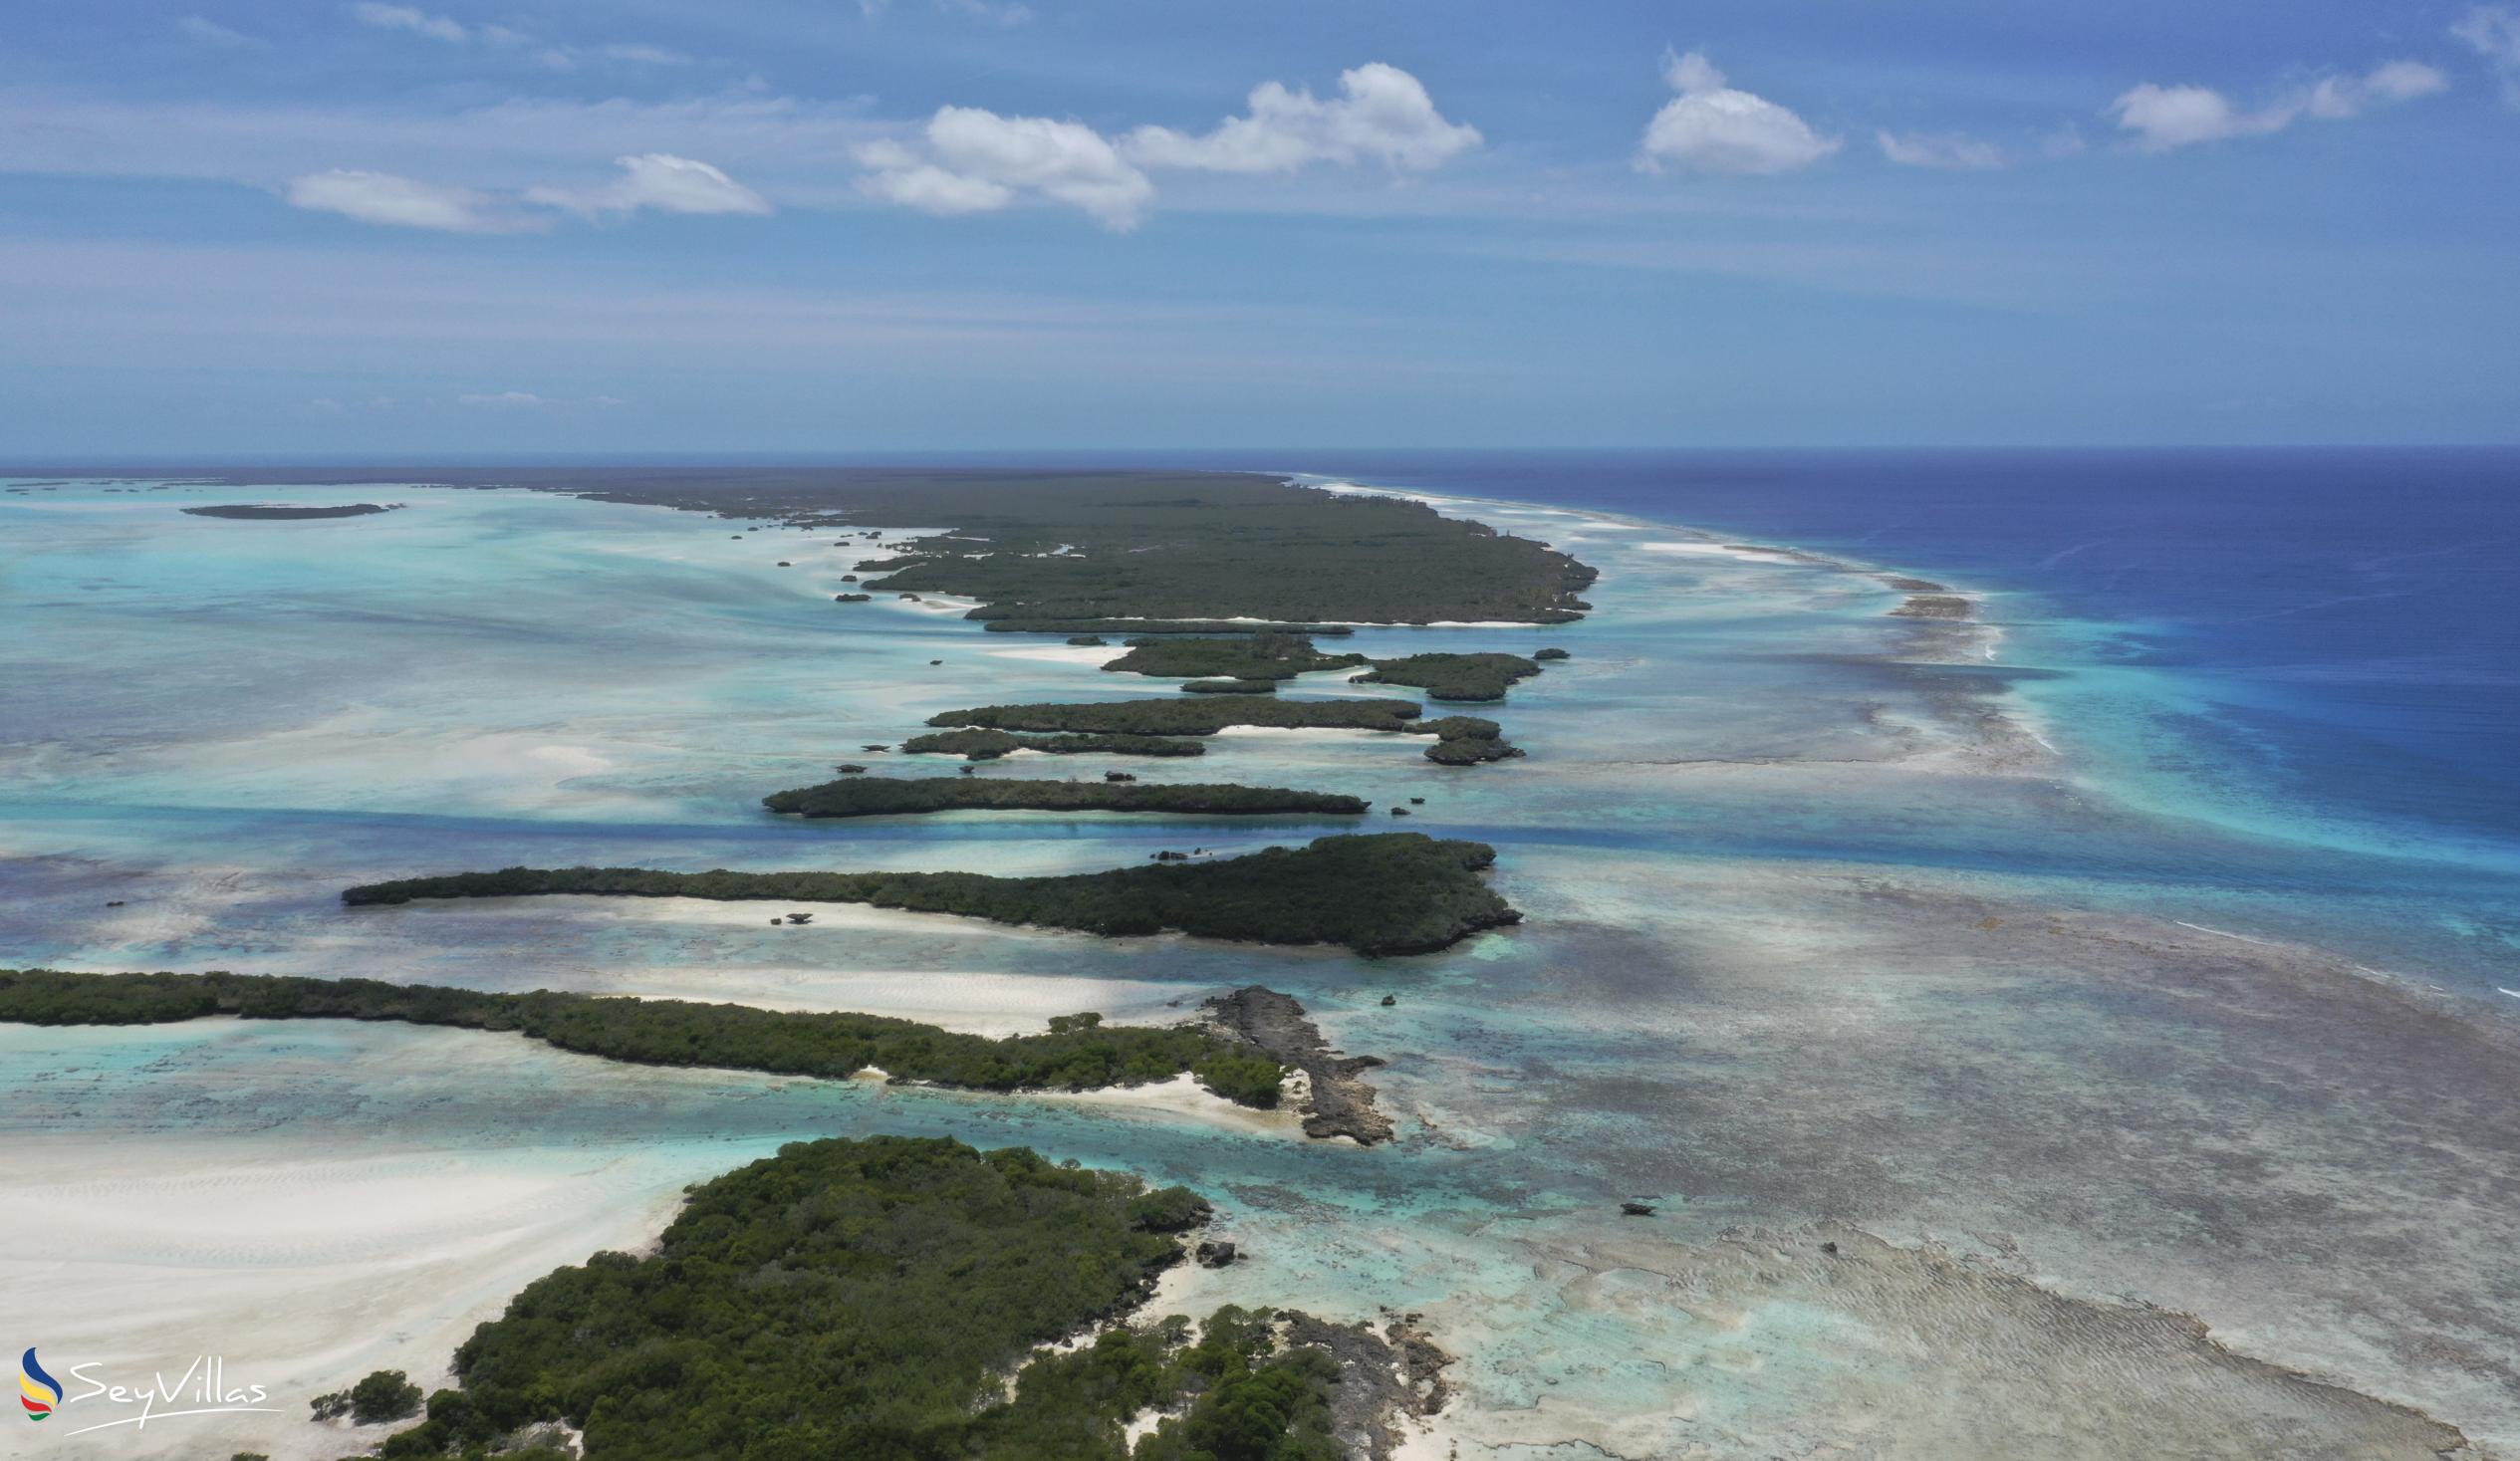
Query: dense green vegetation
[1454,676]
[1229,687]
[1260,656]
[1096,629]
[656,1032]
[1059,548]
[1466,740]
[384,1395]
[1391,892]
[891,797]
[1547,654]
[1204,716]
[988,745]
[859,1301]
[265,512]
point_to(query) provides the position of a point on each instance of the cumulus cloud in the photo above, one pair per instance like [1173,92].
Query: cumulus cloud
[659,180]
[410,18]
[1383,114]
[403,202]
[1711,126]
[2493,32]
[1952,150]
[970,159]
[2163,118]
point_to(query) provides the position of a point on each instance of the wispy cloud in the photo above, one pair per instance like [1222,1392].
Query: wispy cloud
[649,180]
[504,400]
[2493,32]
[411,18]
[402,202]
[1950,150]
[2165,118]
[1711,126]
[659,180]
[210,33]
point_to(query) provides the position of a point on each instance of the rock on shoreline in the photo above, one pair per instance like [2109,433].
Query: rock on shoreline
[1339,1105]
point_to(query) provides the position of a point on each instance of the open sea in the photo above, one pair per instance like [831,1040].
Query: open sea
[1972,998]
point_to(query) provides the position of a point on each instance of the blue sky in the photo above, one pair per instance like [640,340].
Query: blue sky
[244,227]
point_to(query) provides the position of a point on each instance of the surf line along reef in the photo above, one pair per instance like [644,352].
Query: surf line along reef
[620,1348]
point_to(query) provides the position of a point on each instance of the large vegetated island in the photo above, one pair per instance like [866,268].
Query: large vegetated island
[1399,892]
[869,1300]
[1089,552]
[895,796]
[1078,1054]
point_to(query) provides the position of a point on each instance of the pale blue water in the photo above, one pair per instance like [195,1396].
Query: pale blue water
[1758,840]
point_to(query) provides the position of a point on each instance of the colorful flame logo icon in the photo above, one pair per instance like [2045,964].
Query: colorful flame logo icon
[38,1392]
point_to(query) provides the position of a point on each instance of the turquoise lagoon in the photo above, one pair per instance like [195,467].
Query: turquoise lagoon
[1961,1059]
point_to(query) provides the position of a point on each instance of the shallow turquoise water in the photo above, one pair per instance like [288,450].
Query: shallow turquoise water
[1759,837]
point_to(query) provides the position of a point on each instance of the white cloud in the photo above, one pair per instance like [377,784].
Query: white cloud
[1383,114]
[1952,150]
[409,18]
[973,159]
[931,189]
[1009,12]
[1713,128]
[638,54]
[2165,118]
[659,180]
[381,198]
[504,400]
[210,33]
[2493,32]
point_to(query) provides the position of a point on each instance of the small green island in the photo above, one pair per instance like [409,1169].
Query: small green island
[1399,892]
[1078,1054]
[1453,677]
[893,797]
[889,1298]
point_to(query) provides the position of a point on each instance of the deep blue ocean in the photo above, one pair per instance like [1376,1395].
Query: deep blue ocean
[2347,620]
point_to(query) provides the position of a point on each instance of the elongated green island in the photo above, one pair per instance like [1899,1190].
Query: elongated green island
[1204,716]
[873,1298]
[887,797]
[1266,655]
[1395,893]
[1460,740]
[1080,1053]
[988,745]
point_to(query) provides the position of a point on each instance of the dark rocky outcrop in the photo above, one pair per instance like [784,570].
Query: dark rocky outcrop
[1340,1104]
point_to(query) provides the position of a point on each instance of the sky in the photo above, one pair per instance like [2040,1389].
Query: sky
[504,228]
